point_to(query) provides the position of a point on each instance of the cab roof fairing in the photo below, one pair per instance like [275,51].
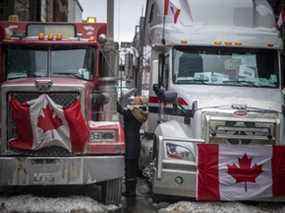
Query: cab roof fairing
[33,42]
[201,36]
[85,29]
[202,22]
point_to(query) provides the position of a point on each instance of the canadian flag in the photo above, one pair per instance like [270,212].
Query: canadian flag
[240,172]
[171,9]
[41,123]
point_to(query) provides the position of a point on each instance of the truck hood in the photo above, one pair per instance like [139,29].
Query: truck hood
[218,96]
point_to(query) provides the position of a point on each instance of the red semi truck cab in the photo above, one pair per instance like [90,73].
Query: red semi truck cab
[64,61]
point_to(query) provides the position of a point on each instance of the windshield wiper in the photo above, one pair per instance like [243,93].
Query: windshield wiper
[17,77]
[267,86]
[29,75]
[201,81]
[241,83]
[76,75]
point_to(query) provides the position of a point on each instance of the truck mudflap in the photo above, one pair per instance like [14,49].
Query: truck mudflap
[24,171]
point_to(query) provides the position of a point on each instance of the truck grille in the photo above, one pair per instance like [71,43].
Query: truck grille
[242,132]
[62,98]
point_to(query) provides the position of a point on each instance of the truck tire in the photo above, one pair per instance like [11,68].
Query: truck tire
[111,191]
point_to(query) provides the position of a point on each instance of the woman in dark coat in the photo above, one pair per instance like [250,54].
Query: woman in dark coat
[134,116]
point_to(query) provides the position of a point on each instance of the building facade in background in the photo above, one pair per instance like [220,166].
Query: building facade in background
[42,10]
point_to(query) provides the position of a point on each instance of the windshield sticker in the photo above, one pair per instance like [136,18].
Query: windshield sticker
[247,71]
[273,78]
[232,67]
[201,76]
[84,73]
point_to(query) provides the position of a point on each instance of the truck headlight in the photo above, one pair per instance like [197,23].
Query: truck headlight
[103,136]
[179,152]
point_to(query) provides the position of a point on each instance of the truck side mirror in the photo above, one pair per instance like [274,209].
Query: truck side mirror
[190,113]
[164,96]
[157,90]
[169,96]
[187,117]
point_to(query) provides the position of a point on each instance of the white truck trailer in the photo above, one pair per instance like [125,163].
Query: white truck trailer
[222,60]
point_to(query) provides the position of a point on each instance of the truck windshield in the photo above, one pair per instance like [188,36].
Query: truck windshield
[226,66]
[33,62]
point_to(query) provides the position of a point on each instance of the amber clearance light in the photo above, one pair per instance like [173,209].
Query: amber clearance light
[41,36]
[50,37]
[91,20]
[13,18]
[58,36]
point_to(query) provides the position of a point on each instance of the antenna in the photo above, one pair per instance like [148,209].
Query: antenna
[165,13]
[142,10]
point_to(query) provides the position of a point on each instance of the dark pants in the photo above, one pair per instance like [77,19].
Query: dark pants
[131,176]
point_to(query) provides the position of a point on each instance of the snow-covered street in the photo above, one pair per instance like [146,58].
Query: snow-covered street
[81,204]
[143,204]
[29,203]
[233,207]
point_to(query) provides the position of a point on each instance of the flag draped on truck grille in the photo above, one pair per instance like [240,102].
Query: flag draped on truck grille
[43,123]
[240,172]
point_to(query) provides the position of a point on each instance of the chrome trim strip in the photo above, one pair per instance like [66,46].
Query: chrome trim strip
[183,140]
[160,157]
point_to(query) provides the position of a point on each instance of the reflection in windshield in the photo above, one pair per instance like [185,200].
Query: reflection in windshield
[24,62]
[75,62]
[235,67]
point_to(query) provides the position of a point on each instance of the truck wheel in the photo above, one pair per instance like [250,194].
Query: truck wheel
[111,191]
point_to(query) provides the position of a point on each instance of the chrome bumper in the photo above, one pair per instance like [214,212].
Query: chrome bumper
[25,171]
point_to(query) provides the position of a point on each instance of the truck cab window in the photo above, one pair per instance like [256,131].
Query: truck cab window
[151,14]
[154,16]
[163,70]
[226,66]
[22,62]
[80,62]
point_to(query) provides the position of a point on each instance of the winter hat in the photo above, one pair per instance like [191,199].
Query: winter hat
[136,108]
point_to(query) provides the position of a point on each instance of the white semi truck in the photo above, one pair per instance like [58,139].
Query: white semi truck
[215,78]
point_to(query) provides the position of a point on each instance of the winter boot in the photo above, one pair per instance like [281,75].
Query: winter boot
[130,187]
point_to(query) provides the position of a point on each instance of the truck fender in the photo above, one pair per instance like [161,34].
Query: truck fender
[174,129]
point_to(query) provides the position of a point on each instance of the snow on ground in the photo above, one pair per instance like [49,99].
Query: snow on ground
[32,204]
[83,204]
[223,207]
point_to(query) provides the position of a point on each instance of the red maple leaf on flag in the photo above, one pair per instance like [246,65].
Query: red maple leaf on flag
[244,172]
[49,121]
